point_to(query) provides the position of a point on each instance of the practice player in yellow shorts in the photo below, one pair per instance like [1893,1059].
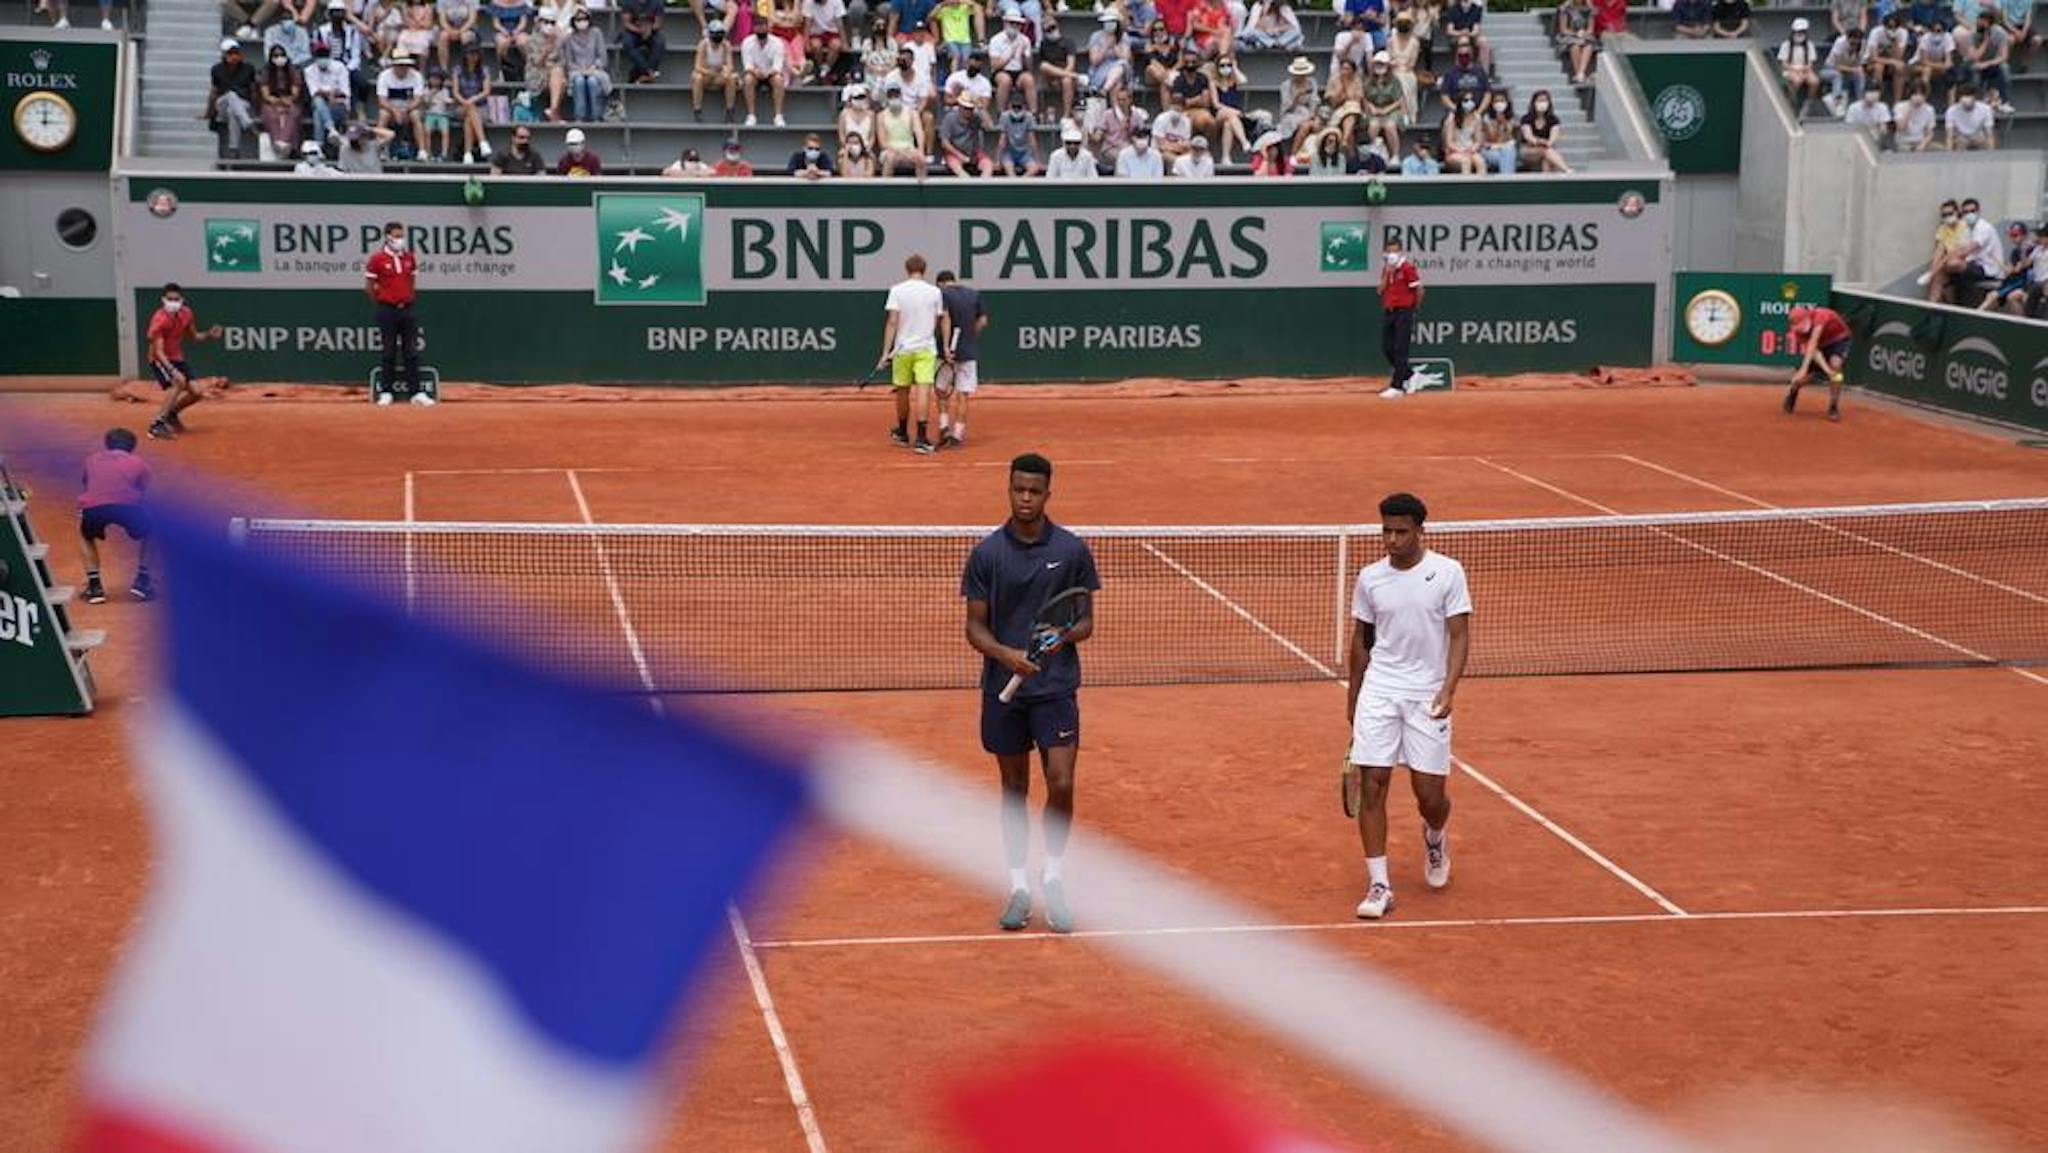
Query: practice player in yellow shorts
[916,329]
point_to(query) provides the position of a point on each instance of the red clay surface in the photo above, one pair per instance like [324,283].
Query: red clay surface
[1831,794]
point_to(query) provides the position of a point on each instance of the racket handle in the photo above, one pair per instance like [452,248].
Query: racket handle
[1009,692]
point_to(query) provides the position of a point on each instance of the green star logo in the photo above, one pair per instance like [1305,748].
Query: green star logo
[234,245]
[1346,246]
[650,248]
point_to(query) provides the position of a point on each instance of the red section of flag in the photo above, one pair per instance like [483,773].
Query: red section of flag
[110,1131]
[1110,1097]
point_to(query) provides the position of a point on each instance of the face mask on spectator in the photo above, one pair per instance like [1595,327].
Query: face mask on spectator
[1500,108]
[894,102]
[1970,218]
[172,304]
[811,154]
[277,59]
[1969,101]
[1395,257]
[395,242]
[1918,99]
[1542,105]
[1465,104]
[575,150]
[854,147]
[1870,96]
[579,23]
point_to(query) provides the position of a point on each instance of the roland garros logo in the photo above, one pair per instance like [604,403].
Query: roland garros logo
[1681,112]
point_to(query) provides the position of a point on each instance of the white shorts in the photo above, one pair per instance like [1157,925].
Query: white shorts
[1387,731]
[966,376]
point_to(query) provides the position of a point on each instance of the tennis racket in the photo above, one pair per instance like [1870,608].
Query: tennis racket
[1351,787]
[874,374]
[1055,622]
[943,382]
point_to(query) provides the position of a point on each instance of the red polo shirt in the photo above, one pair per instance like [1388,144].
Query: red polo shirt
[1174,14]
[1399,285]
[1833,329]
[392,275]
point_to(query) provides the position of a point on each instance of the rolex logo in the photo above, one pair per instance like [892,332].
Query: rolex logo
[41,58]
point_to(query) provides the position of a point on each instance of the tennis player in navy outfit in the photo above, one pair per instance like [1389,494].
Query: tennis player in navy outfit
[1009,576]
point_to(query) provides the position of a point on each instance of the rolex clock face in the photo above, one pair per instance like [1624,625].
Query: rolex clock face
[45,121]
[1712,317]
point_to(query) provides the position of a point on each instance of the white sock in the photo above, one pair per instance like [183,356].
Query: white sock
[1376,869]
[945,422]
[1052,868]
[1431,836]
[960,430]
[1019,882]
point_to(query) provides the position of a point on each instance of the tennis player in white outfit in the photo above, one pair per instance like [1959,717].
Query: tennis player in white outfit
[1411,617]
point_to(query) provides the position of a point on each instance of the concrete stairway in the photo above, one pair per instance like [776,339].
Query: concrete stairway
[1525,61]
[184,43]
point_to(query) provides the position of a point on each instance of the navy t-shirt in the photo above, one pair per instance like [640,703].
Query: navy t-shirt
[963,307]
[1016,577]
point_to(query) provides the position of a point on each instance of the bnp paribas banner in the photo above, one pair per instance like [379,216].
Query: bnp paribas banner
[772,281]
[1970,362]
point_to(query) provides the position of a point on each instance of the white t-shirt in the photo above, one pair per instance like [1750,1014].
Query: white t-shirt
[1080,166]
[763,56]
[961,83]
[1796,52]
[1009,51]
[824,17]
[1915,123]
[1985,251]
[917,305]
[1194,166]
[1972,121]
[1132,164]
[1407,609]
[1870,114]
[916,88]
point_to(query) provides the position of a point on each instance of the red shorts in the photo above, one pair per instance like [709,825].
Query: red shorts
[782,33]
[829,39]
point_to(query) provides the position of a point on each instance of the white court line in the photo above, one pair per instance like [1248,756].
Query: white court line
[1491,786]
[411,568]
[1397,925]
[1565,835]
[1759,570]
[1239,609]
[517,471]
[1859,538]
[799,1096]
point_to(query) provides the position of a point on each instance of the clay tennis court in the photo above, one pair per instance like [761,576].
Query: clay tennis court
[1667,883]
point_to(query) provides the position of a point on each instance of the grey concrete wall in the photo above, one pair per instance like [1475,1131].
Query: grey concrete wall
[1766,186]
[33,258]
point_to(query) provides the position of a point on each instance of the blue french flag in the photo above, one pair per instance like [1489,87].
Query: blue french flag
[408,897]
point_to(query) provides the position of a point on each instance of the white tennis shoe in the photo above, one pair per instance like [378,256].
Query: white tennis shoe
[1436,863]
[1393,392]
[1378,900]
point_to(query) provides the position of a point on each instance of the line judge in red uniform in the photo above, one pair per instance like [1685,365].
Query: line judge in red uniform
[391,275]
[1400,295]
[1822,337]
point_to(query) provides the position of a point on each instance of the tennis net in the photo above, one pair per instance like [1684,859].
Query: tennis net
[761,608]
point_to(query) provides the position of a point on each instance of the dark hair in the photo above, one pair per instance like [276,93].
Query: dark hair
[174,288]
[391,225]
[1966,90]
[947,277]
[1404,504]
[120,440]
[1032,464]
[914,265]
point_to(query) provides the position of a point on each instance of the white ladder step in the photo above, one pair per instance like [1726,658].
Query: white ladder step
[60,595]
[38,551]
[85,640]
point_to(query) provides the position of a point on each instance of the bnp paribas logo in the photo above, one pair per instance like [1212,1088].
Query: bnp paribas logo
[1346,246]
[234,246]
[650,248]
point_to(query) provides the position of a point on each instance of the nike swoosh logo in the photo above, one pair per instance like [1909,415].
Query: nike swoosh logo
[1052,564]
[1429,576]
[1065,735]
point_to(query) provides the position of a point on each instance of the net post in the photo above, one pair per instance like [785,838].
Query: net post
[238,530]
[1343,569]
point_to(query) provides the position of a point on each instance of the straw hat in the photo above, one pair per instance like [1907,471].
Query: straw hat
[1301,67]
[1267,140]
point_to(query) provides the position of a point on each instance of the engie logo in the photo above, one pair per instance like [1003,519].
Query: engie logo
[1346,246]
[650,248]
[1976,366]
[1681,112]
[1892,353]
[2039,387]
[234,245]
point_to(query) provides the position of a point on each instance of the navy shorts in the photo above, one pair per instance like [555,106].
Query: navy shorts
[1839,350]
[133,519]
[1048,723]
[163,379]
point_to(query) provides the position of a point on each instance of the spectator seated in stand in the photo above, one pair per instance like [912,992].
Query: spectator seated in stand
[962,141]
[688,167]
[1870,114]
[1018,148]
[586,63]
[400,89]
[1196,163]
[1969,125]
[733,163]
[1420,161]
[1692,19]
[2011,295]
[1072,160]
[231,98]
[1843,71]
[641,43]
[522,159]
[1576,37]
[1731,19]
[1799,67]
[1913,122]
[811,162]
[577,159]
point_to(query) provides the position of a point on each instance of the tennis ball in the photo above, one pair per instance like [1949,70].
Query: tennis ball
[1835,379]
[473,192]
[1375,192]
